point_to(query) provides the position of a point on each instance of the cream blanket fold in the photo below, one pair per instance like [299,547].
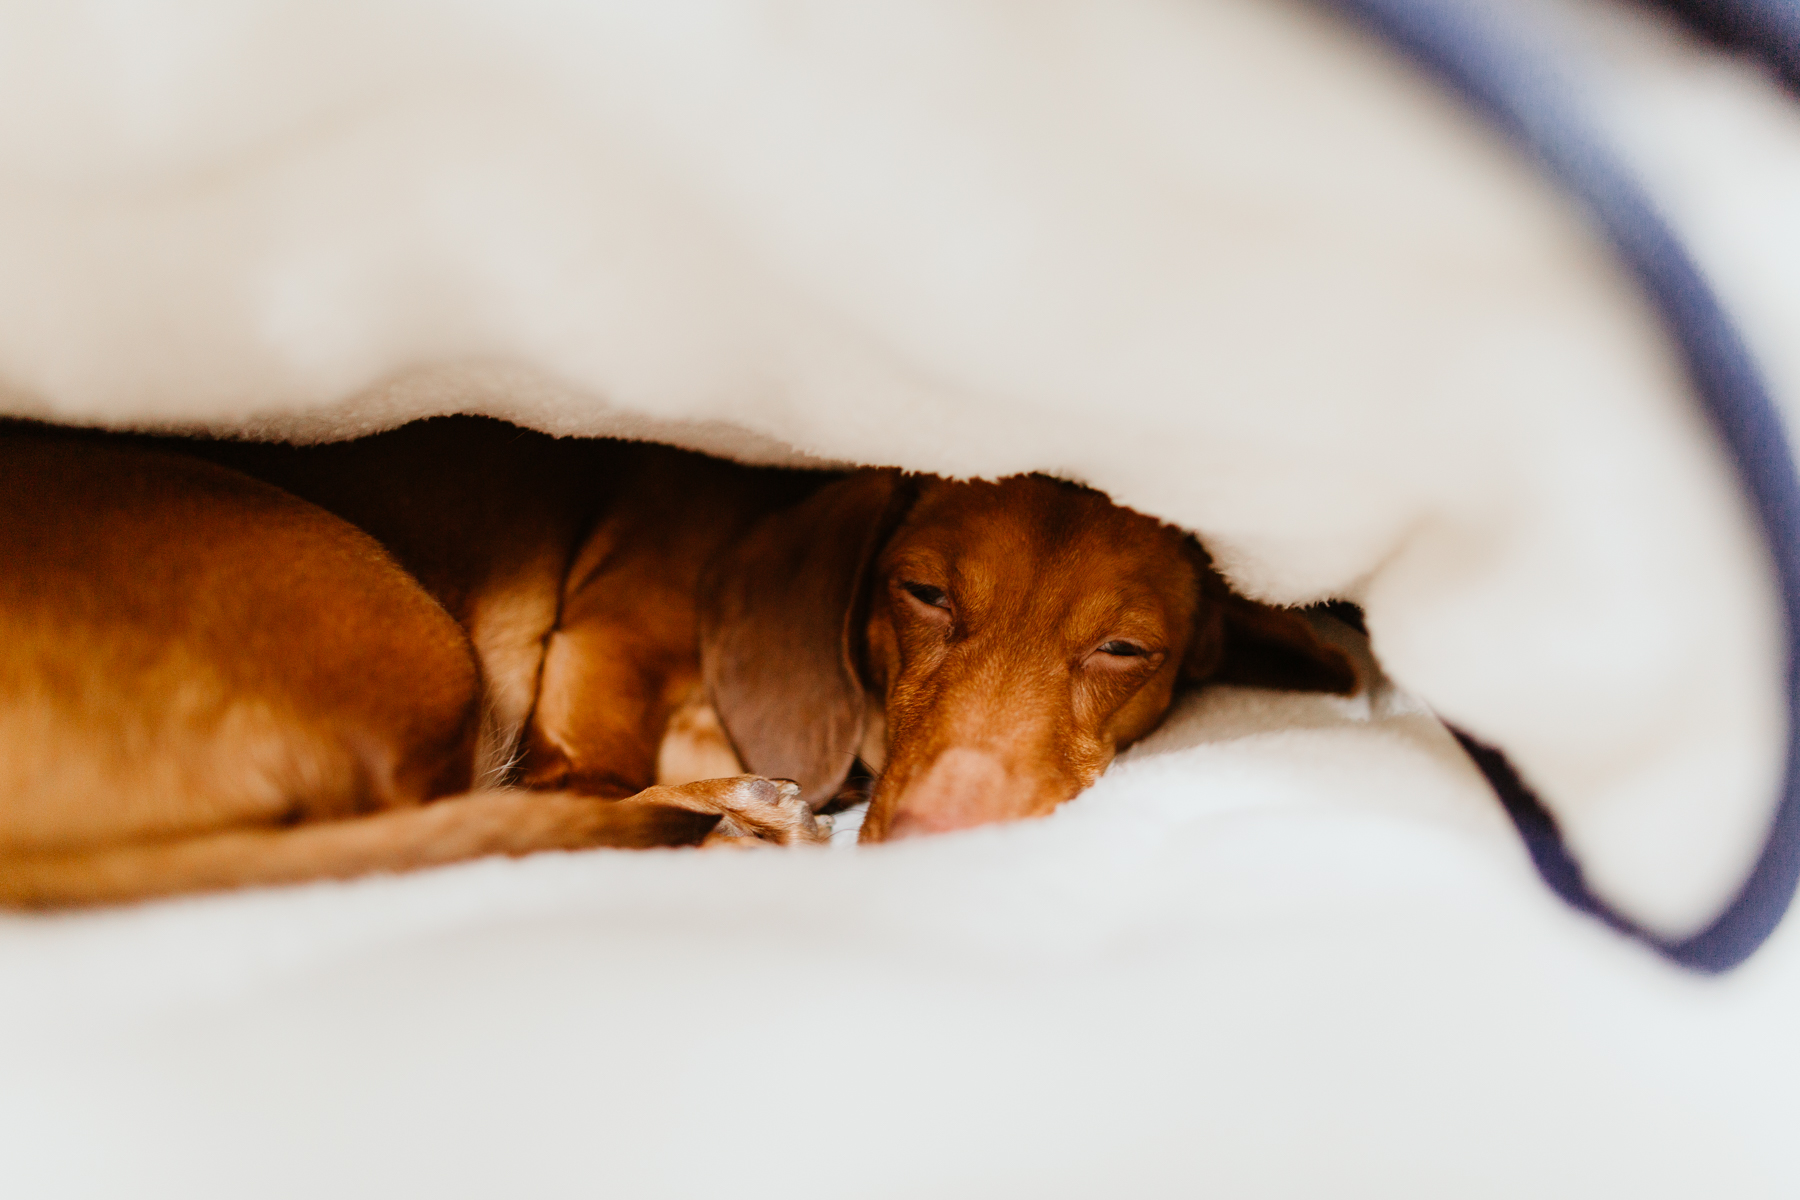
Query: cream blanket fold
[1236,263]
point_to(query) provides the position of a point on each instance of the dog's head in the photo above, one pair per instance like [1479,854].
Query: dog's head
[1008,637]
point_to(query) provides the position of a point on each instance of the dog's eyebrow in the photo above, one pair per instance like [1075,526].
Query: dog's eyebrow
[1126,611]
[916,560]
[973,586]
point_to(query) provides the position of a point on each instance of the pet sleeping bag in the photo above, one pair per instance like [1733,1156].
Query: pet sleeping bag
[1476,315]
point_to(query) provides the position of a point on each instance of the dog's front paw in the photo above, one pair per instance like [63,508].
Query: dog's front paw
[751,806]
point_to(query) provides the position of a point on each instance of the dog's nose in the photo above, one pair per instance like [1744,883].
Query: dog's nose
[961,789]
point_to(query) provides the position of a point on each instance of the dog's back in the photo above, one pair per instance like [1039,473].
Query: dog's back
[206,645]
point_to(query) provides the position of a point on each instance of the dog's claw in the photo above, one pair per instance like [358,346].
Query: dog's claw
[768,810]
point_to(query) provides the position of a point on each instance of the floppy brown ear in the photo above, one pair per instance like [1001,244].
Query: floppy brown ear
[1240,641]
[777,617]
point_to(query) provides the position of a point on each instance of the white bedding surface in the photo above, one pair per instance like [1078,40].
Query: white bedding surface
[1287,947]
[1298,957]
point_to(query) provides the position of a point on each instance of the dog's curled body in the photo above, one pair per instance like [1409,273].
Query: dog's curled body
[228,663]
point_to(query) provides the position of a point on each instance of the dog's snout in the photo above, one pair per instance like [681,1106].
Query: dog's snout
[962,788]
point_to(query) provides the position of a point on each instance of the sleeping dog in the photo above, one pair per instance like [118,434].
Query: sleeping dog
[226,663]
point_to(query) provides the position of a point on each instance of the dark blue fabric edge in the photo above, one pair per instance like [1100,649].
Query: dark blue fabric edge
[1519,87]
[1768,29]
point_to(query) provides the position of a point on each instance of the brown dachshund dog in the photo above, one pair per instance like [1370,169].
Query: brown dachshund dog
[226,663]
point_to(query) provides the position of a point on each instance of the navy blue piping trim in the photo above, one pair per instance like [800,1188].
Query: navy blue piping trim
[1769,29]
[1518,87]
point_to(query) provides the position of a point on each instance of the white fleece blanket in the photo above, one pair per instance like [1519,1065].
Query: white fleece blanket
[1226,259]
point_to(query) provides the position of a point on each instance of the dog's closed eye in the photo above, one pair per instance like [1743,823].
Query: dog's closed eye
[1123,655]
[926,594]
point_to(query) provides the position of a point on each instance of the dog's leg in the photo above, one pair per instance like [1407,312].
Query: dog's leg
[596,730]
[751,806]
[695,748]
[451,830]
[620,703]
[503,821]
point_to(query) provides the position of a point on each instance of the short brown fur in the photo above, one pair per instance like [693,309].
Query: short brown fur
[963,625]
[225,664]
